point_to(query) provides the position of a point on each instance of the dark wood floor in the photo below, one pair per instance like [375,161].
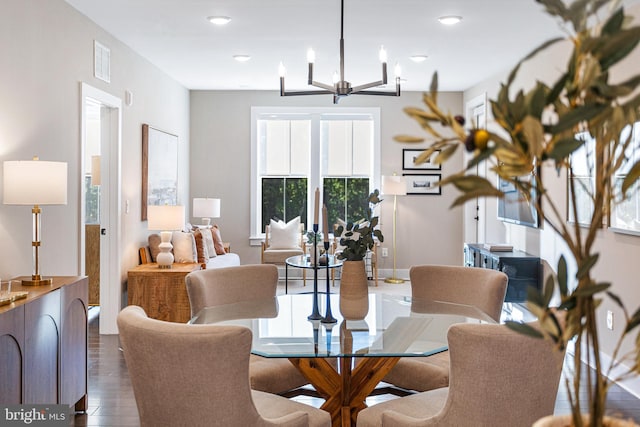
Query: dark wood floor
[111,400]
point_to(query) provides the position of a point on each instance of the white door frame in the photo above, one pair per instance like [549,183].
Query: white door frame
[475,211]
[110,282]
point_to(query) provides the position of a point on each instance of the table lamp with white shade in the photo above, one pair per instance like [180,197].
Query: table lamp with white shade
[165,219]
[36,183]
[206,209]
[395,186]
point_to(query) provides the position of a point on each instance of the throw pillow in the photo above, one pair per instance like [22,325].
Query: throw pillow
[201,247]
[184,247]
[284,236]
[154,242]
[217,240]
[208,241]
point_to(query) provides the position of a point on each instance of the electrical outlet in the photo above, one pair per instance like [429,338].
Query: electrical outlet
[610,320]
[385,252]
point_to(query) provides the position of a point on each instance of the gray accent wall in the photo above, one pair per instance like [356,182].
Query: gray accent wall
[427,231]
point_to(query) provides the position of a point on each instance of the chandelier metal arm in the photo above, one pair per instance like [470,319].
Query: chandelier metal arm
[367,86]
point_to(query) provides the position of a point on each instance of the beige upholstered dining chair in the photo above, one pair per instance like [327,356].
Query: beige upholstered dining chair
[483,288]
[241,283]
[198,375]
[499,378]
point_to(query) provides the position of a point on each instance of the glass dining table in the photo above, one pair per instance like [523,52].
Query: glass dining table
[395,327]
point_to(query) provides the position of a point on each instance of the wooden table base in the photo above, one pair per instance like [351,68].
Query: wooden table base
[345,391]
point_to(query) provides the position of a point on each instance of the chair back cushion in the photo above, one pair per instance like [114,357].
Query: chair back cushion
[481,287]
[190,375]
[228,285]
[500,377]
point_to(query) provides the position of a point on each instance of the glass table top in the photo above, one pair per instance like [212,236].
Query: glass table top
[304,261]
[394,326]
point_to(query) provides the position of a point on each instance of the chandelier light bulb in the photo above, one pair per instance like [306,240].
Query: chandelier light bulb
[281,70]
[311,56]
[382,55]
[336,77]
[397,70]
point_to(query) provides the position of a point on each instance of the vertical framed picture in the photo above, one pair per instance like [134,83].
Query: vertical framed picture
[159,168]
[410,155]
[423,184]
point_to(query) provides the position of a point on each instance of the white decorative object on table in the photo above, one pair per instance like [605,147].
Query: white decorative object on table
[165,219]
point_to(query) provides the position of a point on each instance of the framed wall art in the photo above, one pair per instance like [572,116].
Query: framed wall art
[409,156]
[159,168]
[423,184]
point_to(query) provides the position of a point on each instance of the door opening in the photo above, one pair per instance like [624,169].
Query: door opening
[100,202]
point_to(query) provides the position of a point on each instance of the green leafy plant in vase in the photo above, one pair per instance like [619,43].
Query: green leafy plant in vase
[545,125]
[356,238]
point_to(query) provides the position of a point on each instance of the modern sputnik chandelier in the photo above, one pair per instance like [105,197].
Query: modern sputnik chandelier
[340,87]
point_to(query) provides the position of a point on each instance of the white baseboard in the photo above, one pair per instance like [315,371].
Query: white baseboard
[632,384]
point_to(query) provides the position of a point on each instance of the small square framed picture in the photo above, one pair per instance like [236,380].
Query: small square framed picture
[409,156]
[423,184]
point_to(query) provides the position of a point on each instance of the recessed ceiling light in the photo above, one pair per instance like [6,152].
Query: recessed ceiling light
[242,58]
[418,58]
[219,20]
[450,19]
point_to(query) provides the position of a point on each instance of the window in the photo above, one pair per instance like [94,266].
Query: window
[296,150]
[582,179]
[625,215]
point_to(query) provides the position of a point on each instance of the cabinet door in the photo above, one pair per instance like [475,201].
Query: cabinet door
[73,338]
[42,340]
[11,355]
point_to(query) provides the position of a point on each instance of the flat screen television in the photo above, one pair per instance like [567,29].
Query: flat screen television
[515,208]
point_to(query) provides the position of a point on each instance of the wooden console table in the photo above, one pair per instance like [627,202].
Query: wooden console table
[162,293]
[43,344]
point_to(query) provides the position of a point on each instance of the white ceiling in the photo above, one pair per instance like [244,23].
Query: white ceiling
[176,36]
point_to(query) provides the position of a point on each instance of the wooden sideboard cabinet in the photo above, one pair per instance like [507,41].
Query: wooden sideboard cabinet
[523,270]
[43,344]
[161,292]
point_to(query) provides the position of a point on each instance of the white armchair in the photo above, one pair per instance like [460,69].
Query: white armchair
[281,241]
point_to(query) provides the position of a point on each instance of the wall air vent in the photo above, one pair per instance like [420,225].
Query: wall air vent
[101,62]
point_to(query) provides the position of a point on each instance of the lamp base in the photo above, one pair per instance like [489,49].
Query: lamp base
[393,280]
[37,282]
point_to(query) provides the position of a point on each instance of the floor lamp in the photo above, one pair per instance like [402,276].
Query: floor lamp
[394,186]
[35,182]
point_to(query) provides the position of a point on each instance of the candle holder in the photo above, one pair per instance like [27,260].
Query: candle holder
[328,317]
[316,326]
[328,328]
[315,313]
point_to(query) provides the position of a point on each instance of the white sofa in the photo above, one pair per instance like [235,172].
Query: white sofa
[203,246]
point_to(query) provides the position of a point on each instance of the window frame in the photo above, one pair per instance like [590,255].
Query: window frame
[315,115]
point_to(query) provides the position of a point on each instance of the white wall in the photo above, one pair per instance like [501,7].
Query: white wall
[619,253]
[427,232]
[47,50]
